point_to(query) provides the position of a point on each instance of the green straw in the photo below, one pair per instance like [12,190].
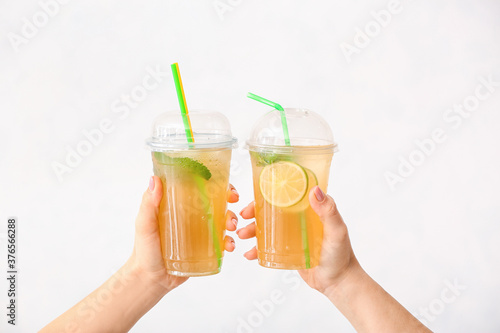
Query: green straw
[277,107]
[305,239]
[199,181]
[182,102]
[303,222]
[210,217]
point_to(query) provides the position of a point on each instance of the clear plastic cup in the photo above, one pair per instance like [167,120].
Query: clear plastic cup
[289,232]
[195,178]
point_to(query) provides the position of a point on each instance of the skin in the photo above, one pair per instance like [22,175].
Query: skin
[340,277]
[140,283]
[143,280]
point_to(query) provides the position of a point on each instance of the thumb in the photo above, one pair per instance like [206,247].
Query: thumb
[147,219]
[325,207]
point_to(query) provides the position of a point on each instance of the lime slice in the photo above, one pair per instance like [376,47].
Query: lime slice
[313,180]
[283,184]
[304,203]
[186,164]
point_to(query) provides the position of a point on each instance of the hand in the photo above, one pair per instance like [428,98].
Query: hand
[337,257]
[367,306]
[139,284]
[146,258]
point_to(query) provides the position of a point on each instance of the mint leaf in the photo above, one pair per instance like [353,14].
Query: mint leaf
[184,163]
[263,159]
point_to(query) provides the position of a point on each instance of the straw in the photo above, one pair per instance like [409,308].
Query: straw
[204,196]
[305,239]
[190,138]
[182,102]
[303,222]
[277,107]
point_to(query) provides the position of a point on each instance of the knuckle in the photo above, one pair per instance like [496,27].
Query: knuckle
[331,208]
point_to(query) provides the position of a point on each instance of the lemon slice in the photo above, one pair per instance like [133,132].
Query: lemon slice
[304,203]
[283,184]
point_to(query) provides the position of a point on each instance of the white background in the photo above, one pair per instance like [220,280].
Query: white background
[440,224]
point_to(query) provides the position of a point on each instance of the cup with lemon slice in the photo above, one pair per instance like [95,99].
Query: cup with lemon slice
[289,232]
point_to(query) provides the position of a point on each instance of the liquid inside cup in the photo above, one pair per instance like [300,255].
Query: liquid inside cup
[195,179]
[286,225]
[192,210]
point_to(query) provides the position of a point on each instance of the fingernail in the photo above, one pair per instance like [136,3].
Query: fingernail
[242,210]
[320,196]
[151,184]
[235,222]
[234,244]
[234,191]
[238,232]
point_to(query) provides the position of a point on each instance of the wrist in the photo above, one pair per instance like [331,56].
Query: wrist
[143,280]
[354,275]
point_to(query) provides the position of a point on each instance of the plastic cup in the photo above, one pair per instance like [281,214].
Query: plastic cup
[195,178]
[289,232]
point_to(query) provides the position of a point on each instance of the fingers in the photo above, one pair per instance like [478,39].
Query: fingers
[229,244]
[252,254]
[232,195]
[247,232]
[249,211]
[325,207]
[147,219]
[231,221]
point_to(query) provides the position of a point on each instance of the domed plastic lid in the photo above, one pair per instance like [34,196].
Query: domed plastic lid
[210,130]
[305,128]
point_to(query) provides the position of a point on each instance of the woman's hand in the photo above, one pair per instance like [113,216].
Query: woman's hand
[337,257]
[146,258]
[139,284]
[340,277]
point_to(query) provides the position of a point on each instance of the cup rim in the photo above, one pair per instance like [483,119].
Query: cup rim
[316,149]
[225,141]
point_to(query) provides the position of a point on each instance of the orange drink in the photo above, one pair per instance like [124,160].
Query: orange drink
[193,208]
[195,179]
[284,219]
[289,233]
